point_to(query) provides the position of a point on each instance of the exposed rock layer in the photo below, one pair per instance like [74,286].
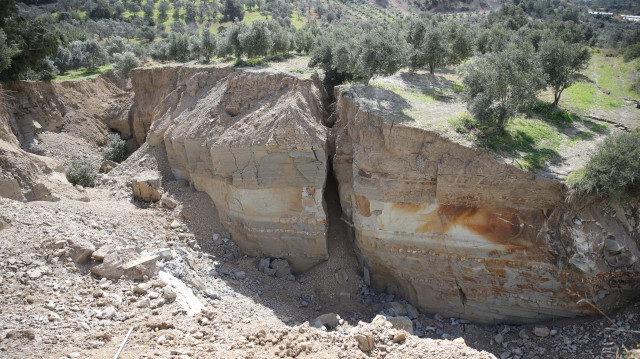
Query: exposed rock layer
[254,141]
[450,228]
[458,233]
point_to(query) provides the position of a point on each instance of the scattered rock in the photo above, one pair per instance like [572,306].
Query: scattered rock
[328,320]
[107,166]
[169,293]
[412,312]
[106,313]
[159,324]
[498,338]
[80,250]
[125,262]
[399,337]
[397,309]
[341,276]
[264,263]
[145,303]
[282,268]
[142,288]
[34,273]
[401,323]
[101,252]
[523,334]
[168,202]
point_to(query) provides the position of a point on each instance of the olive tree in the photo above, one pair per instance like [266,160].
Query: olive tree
[359,51]
[436,44]
[560,63]
[230,41]
[208,44]
[256,40]
[95,54]
[124,64]
[497,84]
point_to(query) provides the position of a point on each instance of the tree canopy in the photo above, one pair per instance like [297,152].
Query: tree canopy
[560,63]
[497,84]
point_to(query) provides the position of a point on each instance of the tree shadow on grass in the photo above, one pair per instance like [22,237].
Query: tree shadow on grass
[383,102]
[438,88]
[564,120]
[521,144]
[583,78]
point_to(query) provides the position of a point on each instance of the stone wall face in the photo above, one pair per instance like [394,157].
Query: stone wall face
[461,234]
[254,141]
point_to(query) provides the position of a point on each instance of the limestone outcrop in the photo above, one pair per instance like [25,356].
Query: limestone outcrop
[254,141]
[459,233]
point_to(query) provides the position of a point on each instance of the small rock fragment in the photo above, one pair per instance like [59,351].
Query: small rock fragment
[365,342]
[541,331]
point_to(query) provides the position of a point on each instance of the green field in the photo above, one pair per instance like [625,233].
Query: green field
[83,74]
[603,87]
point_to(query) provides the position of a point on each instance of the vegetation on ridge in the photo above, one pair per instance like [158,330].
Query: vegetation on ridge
[505,61]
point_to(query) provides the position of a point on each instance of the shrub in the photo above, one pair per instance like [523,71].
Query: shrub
[463,123]
[82,172]
[613,170]
[116,149]
[251,62]
[124,64]
[632,52]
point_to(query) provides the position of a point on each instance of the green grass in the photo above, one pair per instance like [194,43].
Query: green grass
[407,93]
[83,74]
[604,86]
[532,139]
[298,21]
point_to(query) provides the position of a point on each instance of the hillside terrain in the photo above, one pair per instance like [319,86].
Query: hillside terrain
[319,179]
[78,311]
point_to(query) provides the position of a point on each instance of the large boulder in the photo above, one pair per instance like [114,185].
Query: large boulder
[146,187]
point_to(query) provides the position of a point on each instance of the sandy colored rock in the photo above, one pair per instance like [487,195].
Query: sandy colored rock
[80,250]
[401,323]
[365,342]
[459,233]
[125,262]
[146,187]
[253,141]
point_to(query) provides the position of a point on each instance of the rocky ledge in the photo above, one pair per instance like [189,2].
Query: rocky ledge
[459,233]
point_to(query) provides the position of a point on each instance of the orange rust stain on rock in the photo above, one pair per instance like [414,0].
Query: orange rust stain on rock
[408,207]
[363,205]
[498,271]
[501,228]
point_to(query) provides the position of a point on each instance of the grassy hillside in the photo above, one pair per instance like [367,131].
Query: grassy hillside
[539,138]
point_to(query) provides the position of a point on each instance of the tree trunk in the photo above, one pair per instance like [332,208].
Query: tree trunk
[431,68]
[556,97]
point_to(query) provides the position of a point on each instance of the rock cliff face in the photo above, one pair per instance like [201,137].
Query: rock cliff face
[460,234]
[254,141]
[82,110]
[450,228]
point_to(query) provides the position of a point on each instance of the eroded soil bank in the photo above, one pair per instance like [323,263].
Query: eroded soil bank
[449,229]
